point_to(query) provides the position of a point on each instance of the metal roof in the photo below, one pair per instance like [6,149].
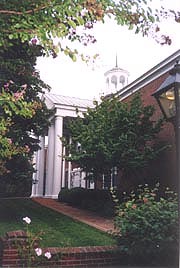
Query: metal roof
[69,101]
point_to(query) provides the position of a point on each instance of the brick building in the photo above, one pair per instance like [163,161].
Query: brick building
[54,173]
[164,168]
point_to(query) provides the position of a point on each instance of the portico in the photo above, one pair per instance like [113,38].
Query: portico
[52,171]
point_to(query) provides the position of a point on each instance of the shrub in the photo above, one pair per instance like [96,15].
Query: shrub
[63,195]
[147,227]
[72,196]
[99,201]
[16,182]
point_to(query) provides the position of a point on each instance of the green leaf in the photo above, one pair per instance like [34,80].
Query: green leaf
[11,36]
[80,20]
[72,24]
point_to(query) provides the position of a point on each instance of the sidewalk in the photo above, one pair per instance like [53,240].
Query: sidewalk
[84,216]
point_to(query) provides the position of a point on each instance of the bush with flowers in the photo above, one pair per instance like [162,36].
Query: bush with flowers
[29,250]
[147,226]
[12,103]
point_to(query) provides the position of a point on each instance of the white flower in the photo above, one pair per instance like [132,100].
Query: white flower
[47,255]
[24,86]
[27,220]
[84,11]
[38,251]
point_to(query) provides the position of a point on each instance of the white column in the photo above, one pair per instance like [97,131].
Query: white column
[39,176]
[50,161]
[69,174]
[63,167]
[69,168]
[34,179]
[57,156]
[103,181]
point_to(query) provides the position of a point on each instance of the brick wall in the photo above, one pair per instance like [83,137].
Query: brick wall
[98,256]
[162,169]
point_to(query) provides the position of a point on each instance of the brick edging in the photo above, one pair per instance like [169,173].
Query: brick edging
[91,256]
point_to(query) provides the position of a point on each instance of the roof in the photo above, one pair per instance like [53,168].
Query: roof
[155,72]
[116,69]
[69,101]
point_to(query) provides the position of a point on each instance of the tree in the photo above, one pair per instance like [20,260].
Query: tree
[11,103]
[114,134]
[24,89]
[56,18]
[41,21]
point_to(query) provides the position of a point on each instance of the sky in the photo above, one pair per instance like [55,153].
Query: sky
[135,53]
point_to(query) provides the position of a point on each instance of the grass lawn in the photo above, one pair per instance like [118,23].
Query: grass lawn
[59,230]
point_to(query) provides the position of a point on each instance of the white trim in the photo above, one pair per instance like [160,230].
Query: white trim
[51,196]
[157,71]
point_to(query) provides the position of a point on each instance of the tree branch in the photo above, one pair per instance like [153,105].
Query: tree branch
[13,12]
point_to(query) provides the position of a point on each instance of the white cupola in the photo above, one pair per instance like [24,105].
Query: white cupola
[115,79]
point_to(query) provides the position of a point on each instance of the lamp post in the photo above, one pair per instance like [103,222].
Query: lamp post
[168,98]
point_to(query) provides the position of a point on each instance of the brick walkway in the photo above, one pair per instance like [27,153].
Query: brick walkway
[84,216]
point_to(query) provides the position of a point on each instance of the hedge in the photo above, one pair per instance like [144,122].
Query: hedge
[99,201]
